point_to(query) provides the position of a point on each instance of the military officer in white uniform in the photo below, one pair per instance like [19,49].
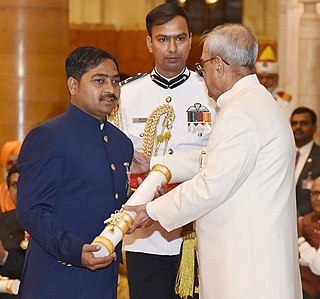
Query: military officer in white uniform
[267,70]
[174,92]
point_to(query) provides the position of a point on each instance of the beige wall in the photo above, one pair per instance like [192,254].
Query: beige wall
[33,47]
[132,13]
[124,13]
[261,16]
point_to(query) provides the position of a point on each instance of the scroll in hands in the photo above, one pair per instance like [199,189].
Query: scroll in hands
[120,222]
[9,286]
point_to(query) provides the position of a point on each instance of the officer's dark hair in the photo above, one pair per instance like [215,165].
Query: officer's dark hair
[163,14]
[84,58]
[300,110]
[11,171]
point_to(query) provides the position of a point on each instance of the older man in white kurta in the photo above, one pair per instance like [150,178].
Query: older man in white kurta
[244,200]
[242,194]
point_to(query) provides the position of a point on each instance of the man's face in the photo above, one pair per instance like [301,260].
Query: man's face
[315,195]
[13,186]
[303,129]
[269,81]
[98,90]
[12,159]
[170,45]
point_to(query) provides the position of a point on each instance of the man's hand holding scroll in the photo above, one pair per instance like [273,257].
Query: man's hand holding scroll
[142,217]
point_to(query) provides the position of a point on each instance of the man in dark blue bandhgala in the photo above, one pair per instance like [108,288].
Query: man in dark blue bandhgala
[72,177]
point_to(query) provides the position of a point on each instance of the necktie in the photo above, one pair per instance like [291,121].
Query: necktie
[297,158]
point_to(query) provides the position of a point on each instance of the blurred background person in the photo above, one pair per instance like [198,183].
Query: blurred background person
[11,235]
[8,156]
[267,70]
[309,242]
[307,164]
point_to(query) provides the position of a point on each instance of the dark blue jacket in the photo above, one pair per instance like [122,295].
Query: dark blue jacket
[72,177]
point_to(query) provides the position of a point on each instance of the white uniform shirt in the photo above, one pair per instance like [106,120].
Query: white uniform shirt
[138,99]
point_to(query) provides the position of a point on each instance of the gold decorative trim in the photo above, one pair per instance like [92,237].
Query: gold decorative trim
[165,170]
[121,220]
[123,226]
[105,242]
[126,217]
[9,287]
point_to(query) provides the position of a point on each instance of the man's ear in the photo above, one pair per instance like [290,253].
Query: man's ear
[72,84]
[315,127]
[190,38]
[149,43]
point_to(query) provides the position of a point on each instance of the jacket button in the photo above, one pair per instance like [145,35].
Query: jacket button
[113,167]
[116,196]
[105,138]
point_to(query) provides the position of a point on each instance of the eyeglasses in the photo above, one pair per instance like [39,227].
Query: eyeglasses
[315,193]
[200,65]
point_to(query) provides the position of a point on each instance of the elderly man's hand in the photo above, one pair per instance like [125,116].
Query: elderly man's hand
[141,220]
[140,163]
[161,190]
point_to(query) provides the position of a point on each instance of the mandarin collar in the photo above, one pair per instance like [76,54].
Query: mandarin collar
[84,117]
[245,82]
[172,82]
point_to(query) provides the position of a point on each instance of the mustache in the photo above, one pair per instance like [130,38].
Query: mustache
[298,131]
[109,97]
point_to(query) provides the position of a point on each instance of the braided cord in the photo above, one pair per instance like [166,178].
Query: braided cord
[116,116]
[151,128]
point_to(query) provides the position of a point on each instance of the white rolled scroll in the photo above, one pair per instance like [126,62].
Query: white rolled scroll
[9,286]
[119,222]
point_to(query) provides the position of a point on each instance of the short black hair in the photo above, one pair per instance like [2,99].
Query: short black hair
[165,13]
[11,171]
[84,58]
[300,110]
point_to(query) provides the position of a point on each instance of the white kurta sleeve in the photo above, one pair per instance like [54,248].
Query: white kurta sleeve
[309,257]
[183,166]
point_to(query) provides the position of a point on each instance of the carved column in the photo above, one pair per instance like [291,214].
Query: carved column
[309,56]
[33,47]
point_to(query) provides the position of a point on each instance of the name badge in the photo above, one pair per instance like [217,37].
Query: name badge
[139,119]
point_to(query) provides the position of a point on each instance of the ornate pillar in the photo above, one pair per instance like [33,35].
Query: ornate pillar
[33,47]
[309,56]
[290,12]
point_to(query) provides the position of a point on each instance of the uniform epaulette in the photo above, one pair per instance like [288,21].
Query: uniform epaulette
[285,96]
[131,79]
